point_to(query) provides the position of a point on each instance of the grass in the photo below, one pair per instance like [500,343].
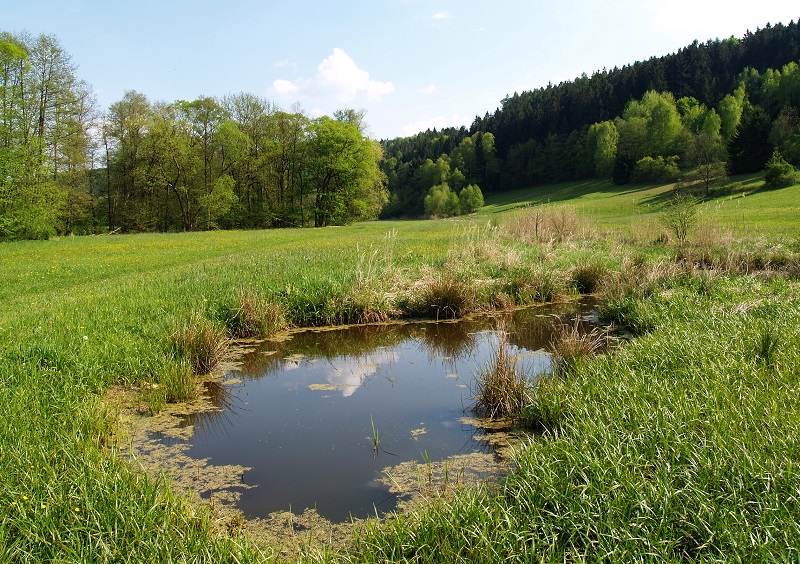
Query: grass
[502,390]
[678,445]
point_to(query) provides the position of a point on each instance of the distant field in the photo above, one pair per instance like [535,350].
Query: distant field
[739,205]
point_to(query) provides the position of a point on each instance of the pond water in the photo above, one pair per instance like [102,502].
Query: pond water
[302,413]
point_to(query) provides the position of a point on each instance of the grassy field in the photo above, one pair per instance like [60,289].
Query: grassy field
[679,445]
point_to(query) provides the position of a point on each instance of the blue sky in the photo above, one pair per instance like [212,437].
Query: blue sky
[411,64]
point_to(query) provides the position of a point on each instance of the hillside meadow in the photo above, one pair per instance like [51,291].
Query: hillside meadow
[680,444]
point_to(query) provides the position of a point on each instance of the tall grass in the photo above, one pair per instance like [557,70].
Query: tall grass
[679,445]
[501,390]
[673,448]
[573,343]
[200,342]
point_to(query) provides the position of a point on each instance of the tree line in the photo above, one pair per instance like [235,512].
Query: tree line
[235,162]
[722,106]
[241,162]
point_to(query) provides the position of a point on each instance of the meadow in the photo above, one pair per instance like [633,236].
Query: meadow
[680,444]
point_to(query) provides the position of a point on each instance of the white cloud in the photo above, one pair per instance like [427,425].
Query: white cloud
[430,89]
[338,77]
[349,373]
[285,87]
[284,63]
[442,16]
[339,74]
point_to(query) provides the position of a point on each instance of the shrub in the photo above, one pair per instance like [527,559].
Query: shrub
[779,173]
[441,201]
[657,169]
[470,199]
[679,215]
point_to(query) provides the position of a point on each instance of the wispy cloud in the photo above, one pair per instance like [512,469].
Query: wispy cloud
[338,77]
[430,89]
[442,16]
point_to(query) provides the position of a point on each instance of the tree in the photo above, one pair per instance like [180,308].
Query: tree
[441,202]
[343,173]
[470,199]
[45,115]
[750,148]
[603,138]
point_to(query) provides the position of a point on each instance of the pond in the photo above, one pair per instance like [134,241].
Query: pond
[315,418]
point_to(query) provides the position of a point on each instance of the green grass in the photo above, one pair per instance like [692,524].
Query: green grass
[626,468]
[680,446]
[741,204]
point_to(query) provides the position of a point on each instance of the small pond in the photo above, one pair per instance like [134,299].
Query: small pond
[301,413]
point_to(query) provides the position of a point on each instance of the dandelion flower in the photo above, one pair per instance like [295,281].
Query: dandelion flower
[86,337]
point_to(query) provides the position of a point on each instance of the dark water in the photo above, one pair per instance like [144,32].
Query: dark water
[314,448]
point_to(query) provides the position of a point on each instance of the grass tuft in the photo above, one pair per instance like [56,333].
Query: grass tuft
[589,277]
[443,296]
[500,389]
[254,316]
[572,343]
[201,343]
[767,346]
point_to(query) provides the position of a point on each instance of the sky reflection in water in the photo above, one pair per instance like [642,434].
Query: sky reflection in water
[301,411]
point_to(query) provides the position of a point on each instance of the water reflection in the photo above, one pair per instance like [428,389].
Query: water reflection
[303,411]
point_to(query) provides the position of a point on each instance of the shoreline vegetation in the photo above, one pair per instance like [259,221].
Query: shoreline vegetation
[680,444]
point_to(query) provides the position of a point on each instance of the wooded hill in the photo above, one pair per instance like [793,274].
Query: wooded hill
[730,101]
[241,162]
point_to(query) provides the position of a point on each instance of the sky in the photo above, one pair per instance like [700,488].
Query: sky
[410,64]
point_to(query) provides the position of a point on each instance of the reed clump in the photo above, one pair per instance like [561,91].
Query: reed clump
[587,278]
[443,295]
[500,389]
[535,283]
[545,224]
[573,342]
[254,316]
[200,342]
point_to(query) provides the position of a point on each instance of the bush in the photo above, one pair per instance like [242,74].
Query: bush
[779,173]
[470,199]
[657,169]
[441,201]
[679,215]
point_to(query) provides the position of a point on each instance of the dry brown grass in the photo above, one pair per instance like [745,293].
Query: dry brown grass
[573,342]
[544,224]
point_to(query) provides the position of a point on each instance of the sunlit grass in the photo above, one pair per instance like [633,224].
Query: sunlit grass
[626,467]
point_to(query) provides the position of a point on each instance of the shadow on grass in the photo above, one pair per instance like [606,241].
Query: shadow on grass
[732,186]
[554,193]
